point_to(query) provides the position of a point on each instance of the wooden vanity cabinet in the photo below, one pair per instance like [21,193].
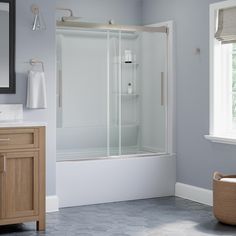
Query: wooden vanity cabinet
[22,175]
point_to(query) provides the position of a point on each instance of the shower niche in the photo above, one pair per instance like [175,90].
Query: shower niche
[111,93]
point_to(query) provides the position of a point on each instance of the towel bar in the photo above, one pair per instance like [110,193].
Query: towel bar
[35,61]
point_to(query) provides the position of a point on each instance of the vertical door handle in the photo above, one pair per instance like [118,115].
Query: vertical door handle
[60,89]
[3,167]
[162,89]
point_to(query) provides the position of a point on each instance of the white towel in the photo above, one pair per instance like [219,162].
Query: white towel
[36,93]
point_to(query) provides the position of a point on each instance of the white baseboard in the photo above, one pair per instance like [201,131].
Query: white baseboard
[193,193]
[52,204]
[185,191]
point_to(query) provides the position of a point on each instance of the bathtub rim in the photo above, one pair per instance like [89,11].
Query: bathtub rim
[122,157]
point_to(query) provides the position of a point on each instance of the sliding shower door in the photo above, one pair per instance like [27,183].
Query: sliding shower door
[137,92]
[82,94]
[143,83]
[112,93]
[153,91]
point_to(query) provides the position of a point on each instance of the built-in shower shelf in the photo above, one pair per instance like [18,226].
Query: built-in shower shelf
[127,63]
[130,125]
[127,94]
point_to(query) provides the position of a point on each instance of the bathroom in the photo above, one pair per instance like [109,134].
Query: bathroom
[104,141]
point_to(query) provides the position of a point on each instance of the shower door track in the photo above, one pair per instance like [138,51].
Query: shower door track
[125,157]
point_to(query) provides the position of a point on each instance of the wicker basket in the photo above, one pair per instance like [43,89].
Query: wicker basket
[224,199]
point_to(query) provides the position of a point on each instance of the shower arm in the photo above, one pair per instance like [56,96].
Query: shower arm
[65,10]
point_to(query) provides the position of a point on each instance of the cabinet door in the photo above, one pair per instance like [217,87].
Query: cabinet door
[19,184]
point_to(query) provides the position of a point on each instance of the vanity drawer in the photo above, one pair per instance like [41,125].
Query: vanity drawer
[18,138]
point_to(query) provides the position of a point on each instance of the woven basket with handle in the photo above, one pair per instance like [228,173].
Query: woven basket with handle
[224,199]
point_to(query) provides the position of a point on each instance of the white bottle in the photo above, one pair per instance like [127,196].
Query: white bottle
[128,56]
[130,89]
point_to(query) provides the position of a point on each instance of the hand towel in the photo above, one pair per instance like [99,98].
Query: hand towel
[36,92]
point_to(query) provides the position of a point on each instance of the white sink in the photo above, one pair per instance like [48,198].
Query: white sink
[9,112]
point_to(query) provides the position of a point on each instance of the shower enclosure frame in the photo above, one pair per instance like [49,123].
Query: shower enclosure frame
[129,177]
[169,93]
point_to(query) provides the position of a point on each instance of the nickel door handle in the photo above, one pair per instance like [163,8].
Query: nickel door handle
[3,166]
[162,89]
[5,139]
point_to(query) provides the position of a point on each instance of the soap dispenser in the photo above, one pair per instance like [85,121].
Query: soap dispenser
[130,89]
[128,56]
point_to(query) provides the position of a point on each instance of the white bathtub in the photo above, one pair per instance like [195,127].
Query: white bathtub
[85,182]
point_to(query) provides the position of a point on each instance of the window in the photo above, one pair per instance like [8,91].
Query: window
[234,82]
[228,77]
[223,72]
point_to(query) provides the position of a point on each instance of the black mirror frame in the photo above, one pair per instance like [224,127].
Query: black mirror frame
[12,41]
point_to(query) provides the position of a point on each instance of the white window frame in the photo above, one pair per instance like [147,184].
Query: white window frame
[220,115]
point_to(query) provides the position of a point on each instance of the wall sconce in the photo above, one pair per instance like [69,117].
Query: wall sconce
[39,23]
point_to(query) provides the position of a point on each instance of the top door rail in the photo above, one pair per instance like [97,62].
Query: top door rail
[66,22]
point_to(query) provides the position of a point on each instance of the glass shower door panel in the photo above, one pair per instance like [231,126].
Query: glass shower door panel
[83,131]
[143,113]
[154,93]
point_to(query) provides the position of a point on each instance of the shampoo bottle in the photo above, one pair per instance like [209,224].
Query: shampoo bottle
[130,89]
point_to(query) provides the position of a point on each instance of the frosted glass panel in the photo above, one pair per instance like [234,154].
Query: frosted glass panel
[84,86]
[82,93]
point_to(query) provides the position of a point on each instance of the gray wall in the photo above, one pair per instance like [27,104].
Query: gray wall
[121,11]
[41,45]
[197,158]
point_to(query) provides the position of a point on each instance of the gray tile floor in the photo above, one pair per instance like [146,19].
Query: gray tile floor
[154,217]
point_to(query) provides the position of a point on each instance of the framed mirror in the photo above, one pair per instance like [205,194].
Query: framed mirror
[7,46]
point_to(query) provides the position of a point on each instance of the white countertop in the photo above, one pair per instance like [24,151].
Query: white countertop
[21,123]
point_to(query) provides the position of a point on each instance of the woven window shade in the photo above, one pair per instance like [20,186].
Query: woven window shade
[226,32]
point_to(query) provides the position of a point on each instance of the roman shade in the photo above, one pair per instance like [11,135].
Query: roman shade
[226,32]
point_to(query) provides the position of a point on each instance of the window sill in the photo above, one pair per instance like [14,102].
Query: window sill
[224,140]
